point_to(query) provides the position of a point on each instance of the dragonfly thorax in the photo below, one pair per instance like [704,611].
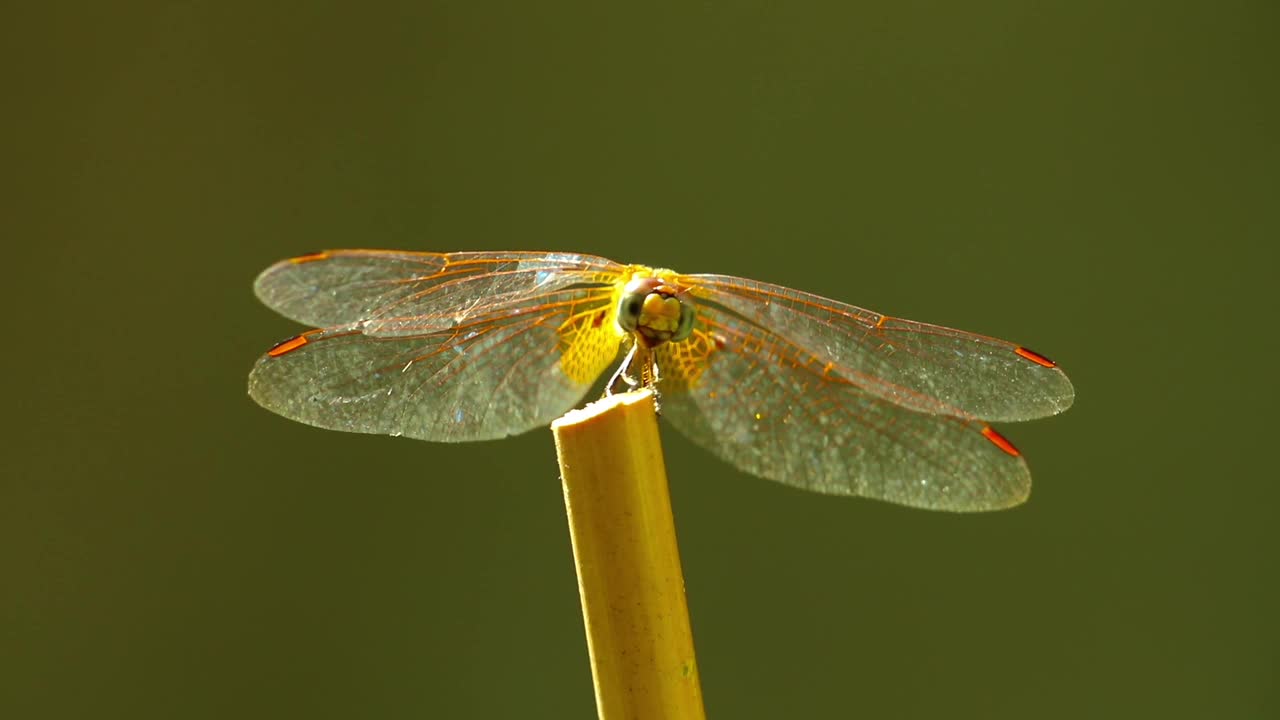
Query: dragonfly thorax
[652,311]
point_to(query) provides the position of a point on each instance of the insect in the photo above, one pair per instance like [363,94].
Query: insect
[780,383]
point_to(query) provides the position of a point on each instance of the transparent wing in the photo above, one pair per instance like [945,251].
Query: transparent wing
[924,367]
[773,409]
[493,375]
[413,292]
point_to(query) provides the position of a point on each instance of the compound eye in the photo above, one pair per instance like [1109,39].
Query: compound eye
[629,308]
[687,316]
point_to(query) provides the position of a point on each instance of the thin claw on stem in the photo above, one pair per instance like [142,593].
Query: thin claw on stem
[621,374]
[649,375]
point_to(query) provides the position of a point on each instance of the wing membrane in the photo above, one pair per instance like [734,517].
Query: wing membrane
[773,409]
[494,375]
[924,367]
[414,292]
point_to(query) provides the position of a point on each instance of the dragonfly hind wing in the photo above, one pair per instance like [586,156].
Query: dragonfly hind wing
[496,379]
[771,411]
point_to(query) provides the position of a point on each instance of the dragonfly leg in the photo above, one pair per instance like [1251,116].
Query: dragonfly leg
[621,374]
[655,376]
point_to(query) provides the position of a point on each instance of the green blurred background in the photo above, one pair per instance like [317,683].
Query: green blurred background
[1096,180]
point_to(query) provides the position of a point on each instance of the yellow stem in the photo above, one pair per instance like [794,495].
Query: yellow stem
[624,547]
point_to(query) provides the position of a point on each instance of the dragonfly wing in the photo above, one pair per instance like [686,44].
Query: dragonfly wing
[774,410]
[417,291]
[924,367]
[493,376]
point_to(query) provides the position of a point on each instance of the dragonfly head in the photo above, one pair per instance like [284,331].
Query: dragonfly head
[654,312]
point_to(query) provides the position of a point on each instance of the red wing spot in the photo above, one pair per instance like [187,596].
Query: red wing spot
[598,320]
[999,440]
[1035,357]
[310,257]
[719,341]
[288,346]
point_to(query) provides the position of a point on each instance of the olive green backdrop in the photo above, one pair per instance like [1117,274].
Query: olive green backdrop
[1097,180]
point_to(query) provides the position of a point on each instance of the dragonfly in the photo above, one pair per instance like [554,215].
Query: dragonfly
[780,383]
